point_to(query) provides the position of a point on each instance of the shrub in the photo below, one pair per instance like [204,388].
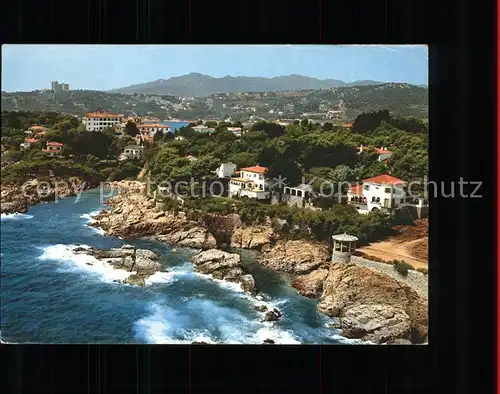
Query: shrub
[402,267]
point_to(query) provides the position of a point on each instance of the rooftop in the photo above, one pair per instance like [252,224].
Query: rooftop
[384,179]
[258,169]
[345,237]
[54,144]
[37,128]
[102,114]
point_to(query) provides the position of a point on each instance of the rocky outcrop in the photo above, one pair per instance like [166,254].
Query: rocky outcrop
[18,206]
[251,237]
[272,315]
[295,257]
[133,215]
[142,262]
[311,285]
[17,197]
[226,266]
[373,306]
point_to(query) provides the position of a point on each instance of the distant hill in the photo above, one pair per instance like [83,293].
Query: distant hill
[199,85]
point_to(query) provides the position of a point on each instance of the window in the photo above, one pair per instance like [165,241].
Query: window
[378,199]
[366,187]
[387,189]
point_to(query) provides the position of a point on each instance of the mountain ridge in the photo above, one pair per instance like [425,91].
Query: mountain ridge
[201,85]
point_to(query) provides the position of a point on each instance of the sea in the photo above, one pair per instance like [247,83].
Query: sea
[174,126]
[51,295]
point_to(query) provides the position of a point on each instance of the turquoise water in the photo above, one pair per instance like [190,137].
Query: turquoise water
[175,125]
[51,295]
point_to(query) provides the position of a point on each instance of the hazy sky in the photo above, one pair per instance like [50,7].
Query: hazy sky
[103,67]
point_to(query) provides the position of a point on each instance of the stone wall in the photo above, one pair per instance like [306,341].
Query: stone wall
[416,280]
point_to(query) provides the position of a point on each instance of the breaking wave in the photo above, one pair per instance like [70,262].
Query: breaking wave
[15,216]
[82,262]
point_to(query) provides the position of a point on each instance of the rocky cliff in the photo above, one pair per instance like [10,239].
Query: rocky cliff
[133,215]
[373,306]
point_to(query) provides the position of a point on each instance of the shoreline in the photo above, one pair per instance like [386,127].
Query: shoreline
[305,263]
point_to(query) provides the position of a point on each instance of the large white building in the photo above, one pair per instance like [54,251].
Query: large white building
[101,120]
[381,193]
[252,183]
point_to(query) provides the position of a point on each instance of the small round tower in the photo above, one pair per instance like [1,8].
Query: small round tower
[343,247]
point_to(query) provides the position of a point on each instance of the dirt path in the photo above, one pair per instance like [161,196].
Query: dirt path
[396,250]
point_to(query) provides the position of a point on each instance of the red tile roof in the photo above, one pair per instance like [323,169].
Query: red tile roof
[102,114]
[383,151]
[36,128]
[348,125]
[358,189]
[54,144]
[30,140]
[258,169]
[385,179]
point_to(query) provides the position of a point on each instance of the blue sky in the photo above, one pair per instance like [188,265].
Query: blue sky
[103,67]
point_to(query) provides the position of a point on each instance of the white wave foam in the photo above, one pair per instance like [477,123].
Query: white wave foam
[15,216]
[89,216]
[83,262]
[220,324]
[161,277]
[98,230]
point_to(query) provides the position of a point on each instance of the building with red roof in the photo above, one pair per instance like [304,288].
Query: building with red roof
[100,120]
[380,193]
[53,148]
[251,182]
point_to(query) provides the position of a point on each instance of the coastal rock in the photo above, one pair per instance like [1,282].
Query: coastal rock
[268,341]
[295,257]
[272,315]
[252,237]
[142,262]
[146,261]
[136,280]
[226,266]
[134,215]
[373,306]
[261,308]
[18,206]
[311,285]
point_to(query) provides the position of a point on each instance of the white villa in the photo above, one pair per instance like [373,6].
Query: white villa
[383,192]
[131,152]
[226,170]
[251,183]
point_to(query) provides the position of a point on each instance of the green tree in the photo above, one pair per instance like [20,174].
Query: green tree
[131,129]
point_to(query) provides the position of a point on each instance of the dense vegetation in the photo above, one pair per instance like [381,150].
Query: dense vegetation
[303,150]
